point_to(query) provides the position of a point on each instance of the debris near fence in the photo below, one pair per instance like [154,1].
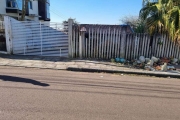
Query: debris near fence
[150,64]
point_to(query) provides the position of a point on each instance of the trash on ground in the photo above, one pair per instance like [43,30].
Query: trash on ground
[154,64]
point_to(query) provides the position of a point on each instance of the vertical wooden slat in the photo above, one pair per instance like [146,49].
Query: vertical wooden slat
[177,51]
[103,44]
[92,42]
[143,41]
[97,43]
[77,43]
[163,50]
[135,45]
[86,54]
[159,47]
[100,43]
[89,44]
[107,52]
[132,47]
[146,45]
[137,50]
[116,43]
[111,45]
[119,41]
[171,47]
[74,43]
[168,47]
[157,52]
[165,46]
[156,46]
[140,46]
[129,48]
[126,47]
[152,41]
[94,48]
[174,49]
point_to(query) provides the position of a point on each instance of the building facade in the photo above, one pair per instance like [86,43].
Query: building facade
[34,12]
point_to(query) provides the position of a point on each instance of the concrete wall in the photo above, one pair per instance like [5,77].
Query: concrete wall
[34,11]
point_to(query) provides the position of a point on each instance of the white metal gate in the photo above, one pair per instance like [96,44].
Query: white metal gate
[39,38]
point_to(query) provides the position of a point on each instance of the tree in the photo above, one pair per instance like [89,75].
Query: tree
[162,17]
[24,8]
[135,22]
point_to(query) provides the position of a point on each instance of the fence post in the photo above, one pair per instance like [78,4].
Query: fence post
[80,45]
[8,33]
[70,25]
[41,37]
[122,49]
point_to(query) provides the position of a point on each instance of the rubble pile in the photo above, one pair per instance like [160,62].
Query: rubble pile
[150,64]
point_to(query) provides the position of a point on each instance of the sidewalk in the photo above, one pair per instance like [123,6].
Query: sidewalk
[77,65]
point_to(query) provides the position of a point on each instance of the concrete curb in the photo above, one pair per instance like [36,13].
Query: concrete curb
[148,73]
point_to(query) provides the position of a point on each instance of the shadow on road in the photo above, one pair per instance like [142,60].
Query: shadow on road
[23,80]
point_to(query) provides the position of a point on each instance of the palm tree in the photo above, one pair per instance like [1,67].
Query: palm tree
[162,17]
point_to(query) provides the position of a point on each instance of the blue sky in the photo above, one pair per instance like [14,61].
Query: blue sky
[94,11]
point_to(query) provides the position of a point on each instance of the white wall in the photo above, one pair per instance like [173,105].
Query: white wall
[2,6]
[34,10]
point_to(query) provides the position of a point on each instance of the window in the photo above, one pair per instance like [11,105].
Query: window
[11,3]
[47,10]
[19,4]
[30,5]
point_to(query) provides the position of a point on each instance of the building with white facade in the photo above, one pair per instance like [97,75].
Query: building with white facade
[37,10]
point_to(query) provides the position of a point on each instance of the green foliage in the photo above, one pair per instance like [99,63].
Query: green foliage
[162,17]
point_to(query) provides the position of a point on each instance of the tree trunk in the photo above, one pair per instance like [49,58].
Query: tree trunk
[24,8]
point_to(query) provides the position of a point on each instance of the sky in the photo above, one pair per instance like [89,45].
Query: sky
[94,11]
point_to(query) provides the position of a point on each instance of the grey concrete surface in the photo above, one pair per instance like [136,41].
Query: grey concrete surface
[46,94]
[77,65]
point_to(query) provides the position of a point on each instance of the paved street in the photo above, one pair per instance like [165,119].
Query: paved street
[44,94]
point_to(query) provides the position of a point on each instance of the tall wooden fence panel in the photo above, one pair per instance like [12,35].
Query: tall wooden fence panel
[107,43]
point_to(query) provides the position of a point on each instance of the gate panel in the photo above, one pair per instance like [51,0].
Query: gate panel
[39,38]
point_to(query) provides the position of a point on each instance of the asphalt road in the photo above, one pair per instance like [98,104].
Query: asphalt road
[36,94]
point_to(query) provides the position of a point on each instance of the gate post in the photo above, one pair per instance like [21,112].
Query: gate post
[70,25]
[8,33]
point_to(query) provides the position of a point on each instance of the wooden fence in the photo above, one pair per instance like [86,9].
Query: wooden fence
[111,43]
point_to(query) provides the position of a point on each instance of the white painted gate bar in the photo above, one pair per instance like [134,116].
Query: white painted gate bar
[39,38]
